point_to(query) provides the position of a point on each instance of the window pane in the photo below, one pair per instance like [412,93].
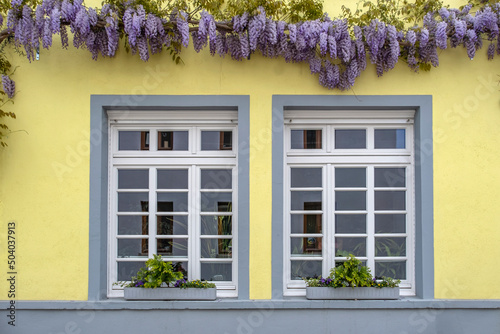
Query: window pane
[390,200]
[350,138]
[133,179]
[216,179]
[306,200]
[390,177]
[304,268]
[172,179]
[216,225]
[350,223]
[133,140]
[306,223]
[350,200]
[216,140]
[173,140]
[395,270]
[390,138]
[133,202]
[172,225]
[128,269]
[306,177]
[182,267]
[390,223]
[172,202]
[216,202]
[220,271]
[394,246]
[310,246]
[346,246]
[132,247]
[216,248]
[133,225]
[350,177]
[172,247]
[306,139]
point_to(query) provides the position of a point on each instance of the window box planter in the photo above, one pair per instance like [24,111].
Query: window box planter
[352,293]
[170,294]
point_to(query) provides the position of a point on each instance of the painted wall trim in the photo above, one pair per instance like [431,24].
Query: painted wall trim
[99,104]
[424,203]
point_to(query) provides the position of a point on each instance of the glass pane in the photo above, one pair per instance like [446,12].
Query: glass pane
[216,202]
[306,139]
[306,177]
[310,246]
[216,179]
[133,179]
[133,225]
[350,200]
[346,246]
[172,225]
[182,267]
[172,247]
[173,140]
[306,223]
[216,225]
[390,200]
[133,140]
[350,177]
[132,247]
[172,202]
[128,269]
[219,271]
[306,200]
[216,248]
[304,268]
[133,202]
[393,246]
[350,223]
[390,177]
[390,223]
[395,270]
[172,179]
[390,138]
[216,140]
[350,138]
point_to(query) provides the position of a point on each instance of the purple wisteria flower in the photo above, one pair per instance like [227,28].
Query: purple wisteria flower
[9,86]
[470,43]
[183,28]
[441,37]
[256,27]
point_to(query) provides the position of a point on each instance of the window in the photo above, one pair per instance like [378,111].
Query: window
[173,191]
[348,189]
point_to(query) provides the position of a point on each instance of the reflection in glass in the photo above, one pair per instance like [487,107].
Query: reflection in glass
[216,201]
[133,179]
[172,202]
[350,200]
[390,138]
[128,269]
[346,245]
[216,248]
[216,225]
[172,247]
[390,200]
[350,177]
[306,177]
[173,140]
[216,140]
[390,177]
[350,223]
[306,200]
[306,139]
[310,246]
[132,248]
[390,246]
[306,223]
[182,267]
[216,179]
[172,179]
[390,223]
[396,270]
[133,225]
[216,271]
[305,268]
[172,225]
[132,202]
[350,138]
[133,140]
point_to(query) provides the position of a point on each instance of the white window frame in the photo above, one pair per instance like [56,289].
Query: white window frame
[328,157]
[194,159]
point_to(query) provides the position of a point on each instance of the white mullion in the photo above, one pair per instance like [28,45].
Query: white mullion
[370,217]
[194,227]
[370,138]
[328,223]
[287,217]
[113,224]
[234,220]
[152,211]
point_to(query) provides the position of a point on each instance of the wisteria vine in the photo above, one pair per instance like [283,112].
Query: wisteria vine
[335,51]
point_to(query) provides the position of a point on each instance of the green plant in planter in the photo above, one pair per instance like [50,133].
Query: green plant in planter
[155,273]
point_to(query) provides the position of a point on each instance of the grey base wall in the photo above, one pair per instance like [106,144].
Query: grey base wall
[226,317]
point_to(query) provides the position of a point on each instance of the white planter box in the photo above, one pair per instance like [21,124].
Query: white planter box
[170,294]
[352,293]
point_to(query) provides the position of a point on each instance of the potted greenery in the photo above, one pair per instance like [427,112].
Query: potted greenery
[351,280]
[158,281]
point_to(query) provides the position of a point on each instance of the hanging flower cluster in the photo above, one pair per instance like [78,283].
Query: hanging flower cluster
[336,52]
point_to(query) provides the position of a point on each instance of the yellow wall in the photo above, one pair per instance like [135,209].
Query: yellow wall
[44,173]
